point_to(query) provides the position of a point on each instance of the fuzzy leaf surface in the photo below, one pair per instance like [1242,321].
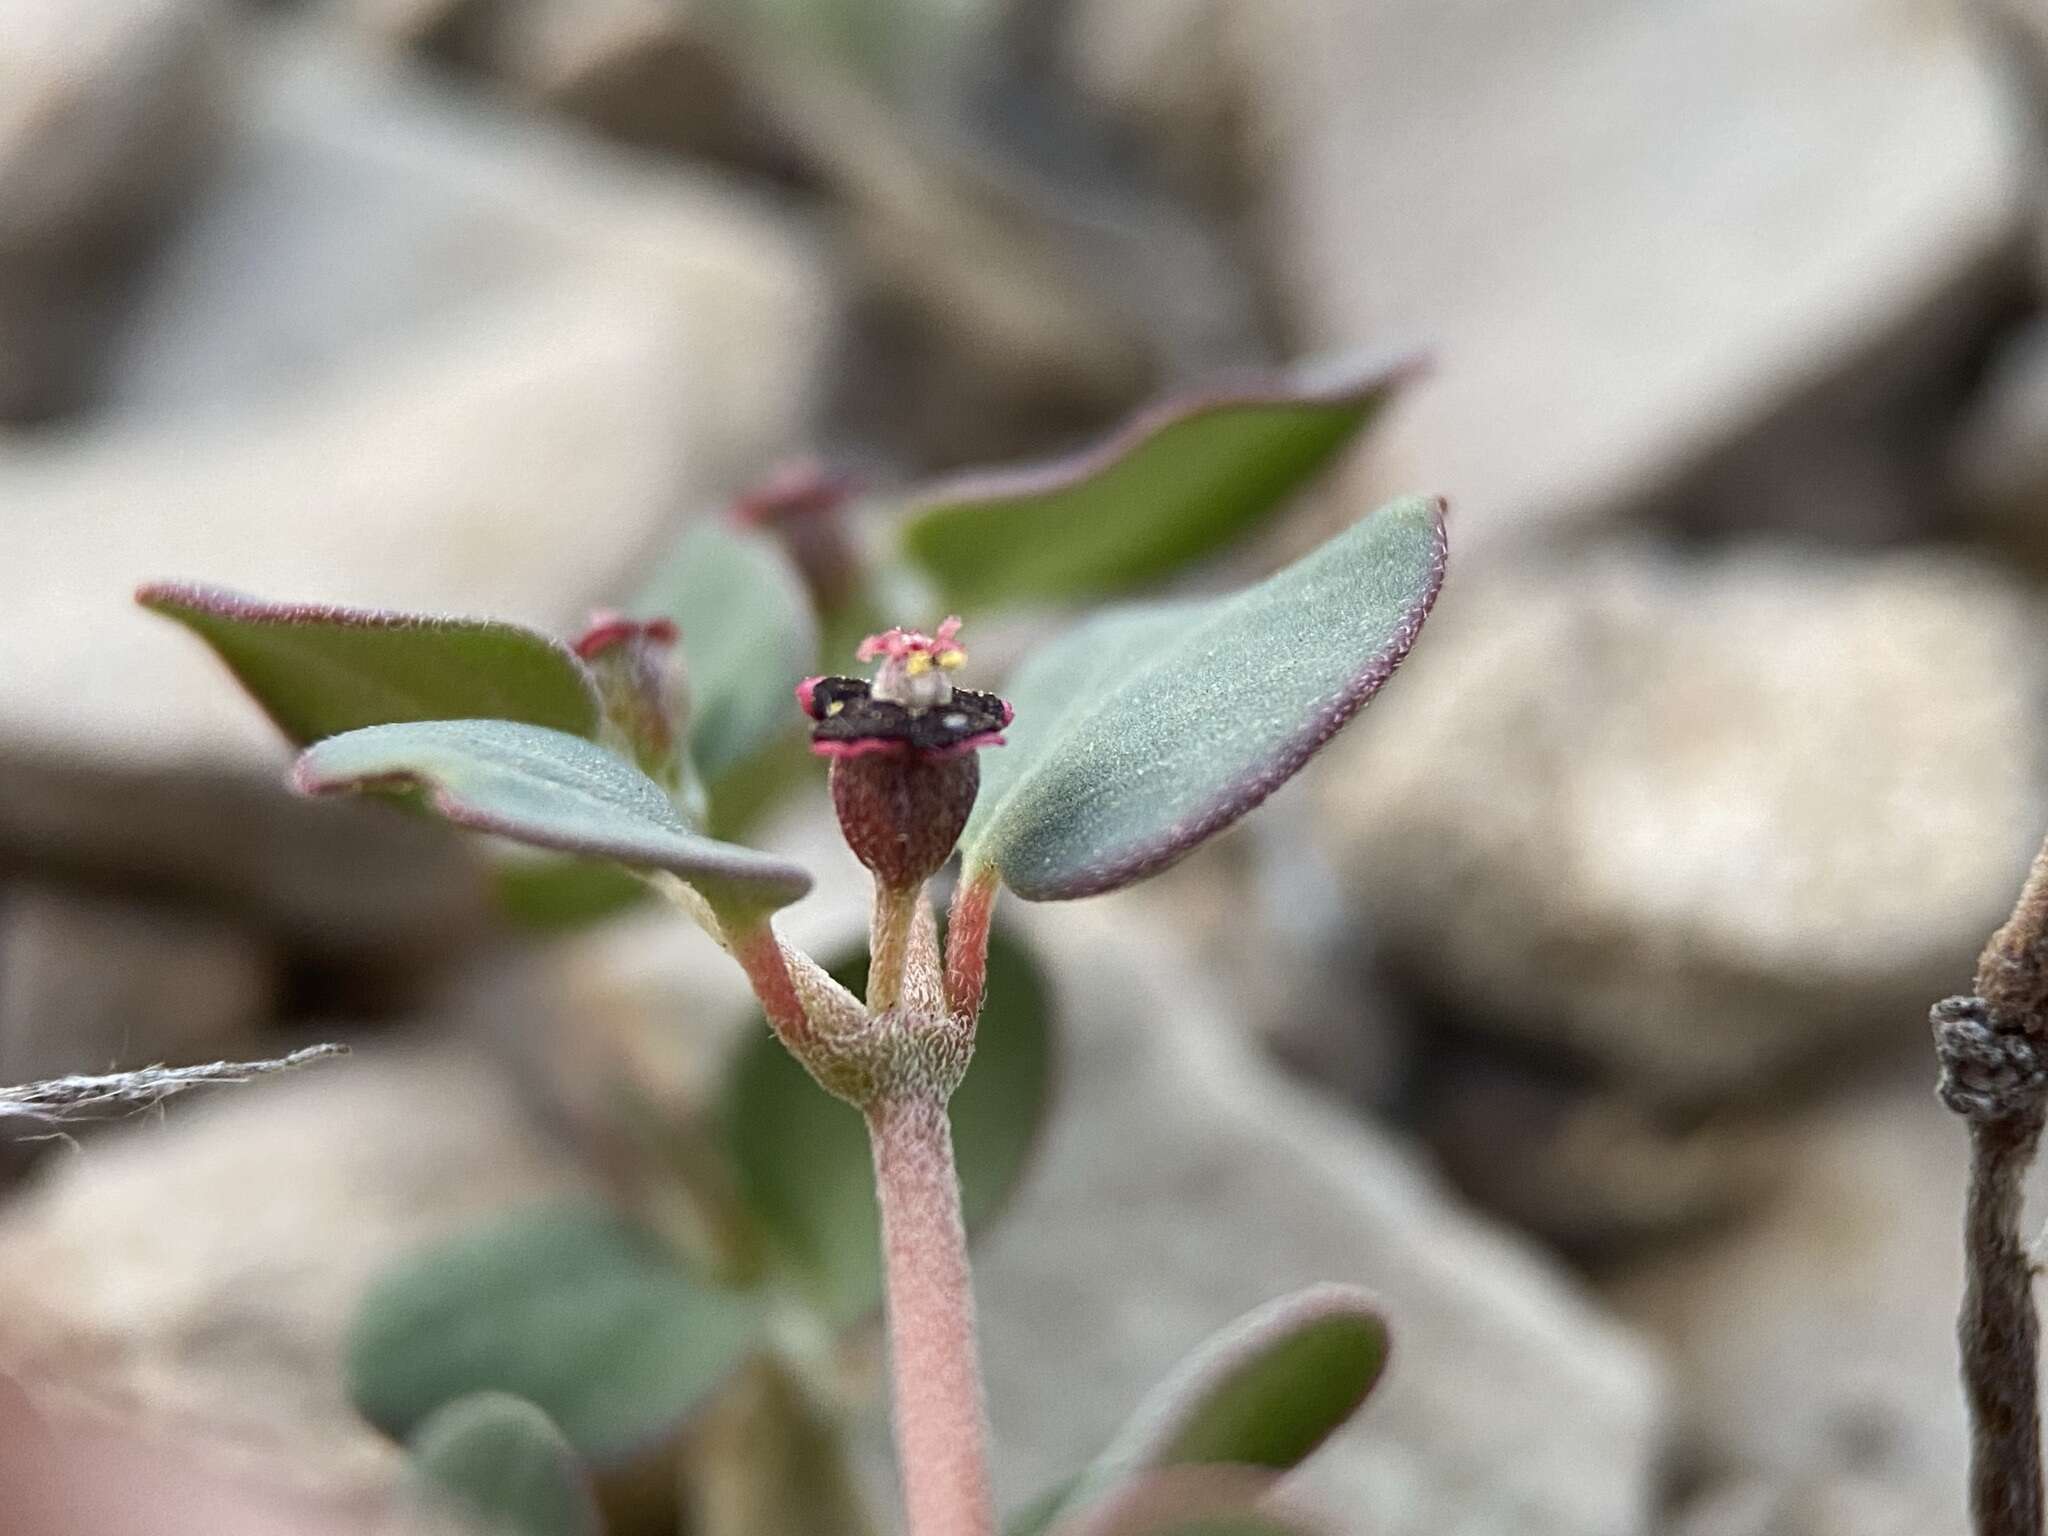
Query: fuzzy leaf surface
[803,1157]
[319,671]
[551,790]
[1262,1394]
[569,1307]
[1176,483]
[748,636]
[1142,732]
[507,1466]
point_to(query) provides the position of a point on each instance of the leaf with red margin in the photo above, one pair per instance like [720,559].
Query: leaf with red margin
[1176,483]
[1258,1397]
[318,671]
[1140,733]
[551,790]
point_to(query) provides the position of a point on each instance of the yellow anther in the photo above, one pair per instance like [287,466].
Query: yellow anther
[951,659]
[917,663]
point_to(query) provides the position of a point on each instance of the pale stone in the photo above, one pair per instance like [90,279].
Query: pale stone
[1698,823]
[94,983]
[1182,1182]
[413,355]
[1628,234]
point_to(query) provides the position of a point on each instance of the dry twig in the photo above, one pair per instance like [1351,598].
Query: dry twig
[1993,1048]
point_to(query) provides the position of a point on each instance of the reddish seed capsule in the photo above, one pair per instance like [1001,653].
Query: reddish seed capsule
[904,771]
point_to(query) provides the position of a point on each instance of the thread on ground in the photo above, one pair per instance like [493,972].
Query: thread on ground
[59,1099]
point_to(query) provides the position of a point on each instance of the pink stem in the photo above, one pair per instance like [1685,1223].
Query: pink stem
[941,1421]
[759,953]
[974,903]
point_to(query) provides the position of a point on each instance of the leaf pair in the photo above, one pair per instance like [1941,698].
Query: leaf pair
[500,725]
[576,1309]
[1137,735]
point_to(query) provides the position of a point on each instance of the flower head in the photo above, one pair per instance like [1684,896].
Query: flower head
[910,706]
[904,771]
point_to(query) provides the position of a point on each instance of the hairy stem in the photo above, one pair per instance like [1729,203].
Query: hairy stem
[941,1419]
[760,955]
[974,903]
[889,926]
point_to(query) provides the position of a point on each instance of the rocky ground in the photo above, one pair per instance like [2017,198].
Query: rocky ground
[1575,1001]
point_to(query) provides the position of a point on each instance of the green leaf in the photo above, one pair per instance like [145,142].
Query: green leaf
[1264,1393]
[803,1157]
[551,790]
[559,895]
[772,1457]
[569,1307]
[1177,483]
[749,637]
[1141,733]
[507,1465]
[319,671]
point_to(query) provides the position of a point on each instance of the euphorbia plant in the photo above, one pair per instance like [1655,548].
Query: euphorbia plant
[1117,749]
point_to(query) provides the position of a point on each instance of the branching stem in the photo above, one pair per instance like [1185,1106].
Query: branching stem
[759,953]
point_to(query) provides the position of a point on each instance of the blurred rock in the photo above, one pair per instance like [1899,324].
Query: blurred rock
[194,1274]
[1631,237]
[1179,74]
[1182,1182]
[2001,448]
[1816,1355]
[92,984]
[357,888]
[1700,824]
[659,74]
[410,353]
[442,27]
[656,73]
[1591,1171]
[108,113]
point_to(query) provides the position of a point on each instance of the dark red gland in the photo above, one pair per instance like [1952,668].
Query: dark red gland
[904,770]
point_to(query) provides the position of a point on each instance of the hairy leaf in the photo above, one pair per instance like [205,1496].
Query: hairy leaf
[1175,484]
[803,1155]
[569,1307]
[507,1466]
[551,790]
[319,671]
[748,636]
[1142,732]
[1262,1394]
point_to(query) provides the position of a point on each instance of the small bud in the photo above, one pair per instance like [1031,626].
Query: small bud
[904,771]
[640,682]
[803,505]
